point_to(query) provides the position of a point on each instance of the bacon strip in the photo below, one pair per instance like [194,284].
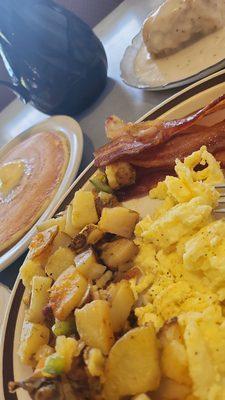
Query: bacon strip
[181,146]
[136,139]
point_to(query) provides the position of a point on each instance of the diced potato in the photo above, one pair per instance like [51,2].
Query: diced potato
[67,348]
[69,227]
[67,292]
[105,278]
[61,240]
[118,220]
[94,325]
[93,234]
[39,298]
[33,336]
[28,270]
[118,252]
[90,235]
[171,390]
[87,265]
[59,261]
[43,352]
[141,396]
[120,174]
[133,365]
[86,257]
[95,362]
[60,222]
[42,241]
[174,361]
[121,304]
[103,200]
[92,273]
[84,211]
[27,295]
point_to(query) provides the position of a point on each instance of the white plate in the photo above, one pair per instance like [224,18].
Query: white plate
[130,77]
[4,299]
[72,131]
[178,105]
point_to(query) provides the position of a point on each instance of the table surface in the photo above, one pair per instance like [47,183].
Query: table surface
[116,32]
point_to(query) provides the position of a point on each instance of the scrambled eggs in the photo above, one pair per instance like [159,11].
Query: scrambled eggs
[182,260]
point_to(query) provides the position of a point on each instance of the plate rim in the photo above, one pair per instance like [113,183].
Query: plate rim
[71,130]
[10,320]
[203,73]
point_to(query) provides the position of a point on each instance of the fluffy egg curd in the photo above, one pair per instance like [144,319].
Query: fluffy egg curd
[182,287]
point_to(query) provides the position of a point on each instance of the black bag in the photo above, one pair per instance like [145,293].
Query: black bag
[55,61]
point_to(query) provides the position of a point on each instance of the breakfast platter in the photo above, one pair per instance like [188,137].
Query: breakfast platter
[97,238]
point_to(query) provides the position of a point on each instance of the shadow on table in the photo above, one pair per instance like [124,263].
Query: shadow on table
[88,151]
[90,110]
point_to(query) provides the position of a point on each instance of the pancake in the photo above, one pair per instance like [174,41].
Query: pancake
[30,174]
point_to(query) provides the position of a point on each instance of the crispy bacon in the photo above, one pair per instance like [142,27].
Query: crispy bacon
[137,139]
[181,146]
[153,146]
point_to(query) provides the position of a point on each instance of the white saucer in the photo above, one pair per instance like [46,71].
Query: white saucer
[72,131]
[154,72]
[4,299]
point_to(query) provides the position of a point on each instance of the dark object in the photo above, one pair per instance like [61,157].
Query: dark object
[78,385]
[54,59]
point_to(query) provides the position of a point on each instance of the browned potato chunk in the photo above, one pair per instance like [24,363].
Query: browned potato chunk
[94,325]
[90,235]
[103,200]
[121,303]
[84,211]
[95,361]
[67,348]
[118,220]
[59,221]
[119,252]
[33,337]
[70,229]
[132,366]
[104,280]
[28,270]
[59,261]
[67,293]
[174,362]
[141,396]
[41,241]
[171,390]
[61,240]
[39,298]
[120,174]
[87,265]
